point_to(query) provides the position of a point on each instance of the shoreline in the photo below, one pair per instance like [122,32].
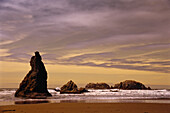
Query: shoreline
[87,108]
[104,101]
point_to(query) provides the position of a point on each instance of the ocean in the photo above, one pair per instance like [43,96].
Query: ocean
[93,96]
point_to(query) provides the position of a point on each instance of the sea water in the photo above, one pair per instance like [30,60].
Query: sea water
[93,96]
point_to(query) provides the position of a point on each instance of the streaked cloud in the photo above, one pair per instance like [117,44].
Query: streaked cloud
[124,34]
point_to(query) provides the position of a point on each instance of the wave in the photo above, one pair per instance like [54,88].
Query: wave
[104,95]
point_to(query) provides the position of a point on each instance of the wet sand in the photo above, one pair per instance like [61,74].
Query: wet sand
[87,108]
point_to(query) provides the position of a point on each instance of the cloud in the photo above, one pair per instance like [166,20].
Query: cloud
[104,60]
[126,34]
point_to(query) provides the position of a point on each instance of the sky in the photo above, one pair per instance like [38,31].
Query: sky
[86,40]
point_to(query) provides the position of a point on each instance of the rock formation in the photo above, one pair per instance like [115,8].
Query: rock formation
[57,89]
[71,87]
[34,84]
[130,84]
[97,86]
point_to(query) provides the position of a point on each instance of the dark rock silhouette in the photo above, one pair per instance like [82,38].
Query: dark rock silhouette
[34,84]
[130,84]
[97,86]
[82,90]
[111,87]
[57,89]
[71,87]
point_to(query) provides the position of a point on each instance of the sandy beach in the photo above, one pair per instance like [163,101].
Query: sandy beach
[87,108]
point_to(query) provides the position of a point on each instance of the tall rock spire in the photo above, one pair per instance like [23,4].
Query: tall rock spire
[34,84]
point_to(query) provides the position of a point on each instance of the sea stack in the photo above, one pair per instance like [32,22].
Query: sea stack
[131,84]
[34,84]
[97,86]
[72,88]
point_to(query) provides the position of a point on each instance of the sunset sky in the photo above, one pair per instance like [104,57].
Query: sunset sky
[86,40]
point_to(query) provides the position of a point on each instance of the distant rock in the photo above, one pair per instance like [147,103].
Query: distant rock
[149,88]
[71,87]
[34,84]
[57,89]
[82,90]
[97,86]
[111,87]
[130,84]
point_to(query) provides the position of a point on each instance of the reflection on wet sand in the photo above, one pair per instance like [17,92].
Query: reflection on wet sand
[72,101]
[31,102]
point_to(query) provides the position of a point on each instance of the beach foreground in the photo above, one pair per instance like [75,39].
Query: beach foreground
[87,108]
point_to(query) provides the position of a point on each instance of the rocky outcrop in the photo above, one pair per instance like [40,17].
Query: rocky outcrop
[34,84]
[130,84]
[57,89]
[71,87]
[97,86]
[82,90]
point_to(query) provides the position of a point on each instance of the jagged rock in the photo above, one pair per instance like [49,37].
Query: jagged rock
[57,89]
[71,87]
[130,84]
[111,87]
[97,86]
[34,84]
[149,88]
[82,90]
